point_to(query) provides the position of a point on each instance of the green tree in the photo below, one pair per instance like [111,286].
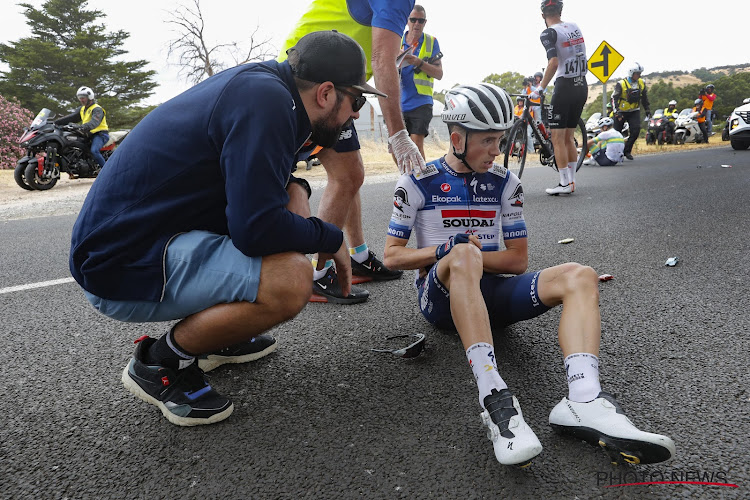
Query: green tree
[67,49]
[510,81]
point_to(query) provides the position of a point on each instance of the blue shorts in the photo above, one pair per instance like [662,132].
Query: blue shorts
[508,299]
[202,270]
[602,159]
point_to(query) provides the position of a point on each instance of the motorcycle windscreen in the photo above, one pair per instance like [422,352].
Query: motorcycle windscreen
[42,117]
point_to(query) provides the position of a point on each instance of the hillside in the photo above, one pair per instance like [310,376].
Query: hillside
[678,80]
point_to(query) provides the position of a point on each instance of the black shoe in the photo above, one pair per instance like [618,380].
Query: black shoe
[183,396]
[244,352]
[373,268]
[629,156]
[328,286]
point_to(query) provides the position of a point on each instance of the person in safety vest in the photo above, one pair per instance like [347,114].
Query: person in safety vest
[377,25]
[518,110]
[93,120]
[671,113]
[419,70]
[701,118]
[709,96]
[629,94]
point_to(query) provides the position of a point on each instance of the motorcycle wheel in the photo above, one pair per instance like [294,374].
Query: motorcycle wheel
[36,182]
[679,138]
[649,138]
[19,175]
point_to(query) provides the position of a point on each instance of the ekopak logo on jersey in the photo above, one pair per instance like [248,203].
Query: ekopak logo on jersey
[468,218]
[445,187]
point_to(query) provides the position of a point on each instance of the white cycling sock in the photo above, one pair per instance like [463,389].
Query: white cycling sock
[360,253]
[564,176]
[572,171]
[319,274]
[582,370]
[482,360]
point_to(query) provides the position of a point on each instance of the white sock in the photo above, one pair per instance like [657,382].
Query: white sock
[582,370]
[319,274]
[572,171]
[360,253]
[482,360]
[564,176]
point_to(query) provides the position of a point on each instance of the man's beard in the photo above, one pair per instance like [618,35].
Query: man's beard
[325,131]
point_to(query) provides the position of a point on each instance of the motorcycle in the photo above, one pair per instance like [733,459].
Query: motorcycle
[686,127]
[658,129]
[52,149]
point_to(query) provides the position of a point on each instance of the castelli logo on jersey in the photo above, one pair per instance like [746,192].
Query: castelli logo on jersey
[445,187]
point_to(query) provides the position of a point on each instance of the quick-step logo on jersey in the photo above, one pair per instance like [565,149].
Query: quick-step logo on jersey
[468,218]
[400,198]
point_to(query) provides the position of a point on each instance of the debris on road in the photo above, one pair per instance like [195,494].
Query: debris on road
[606,277]
[672,261]
[567,240]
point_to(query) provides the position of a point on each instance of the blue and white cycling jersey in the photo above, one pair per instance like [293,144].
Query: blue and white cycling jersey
[442,202]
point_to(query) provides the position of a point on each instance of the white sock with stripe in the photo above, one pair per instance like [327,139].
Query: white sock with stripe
[482,360]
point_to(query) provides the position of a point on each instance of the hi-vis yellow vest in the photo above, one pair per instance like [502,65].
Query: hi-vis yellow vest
[624,104]
[422,81]
[326,15]
[86,117]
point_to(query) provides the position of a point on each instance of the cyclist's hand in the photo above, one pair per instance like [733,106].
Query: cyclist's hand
[443,250]
[406,152]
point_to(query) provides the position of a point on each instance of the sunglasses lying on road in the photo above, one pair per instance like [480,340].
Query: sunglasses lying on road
[411,351]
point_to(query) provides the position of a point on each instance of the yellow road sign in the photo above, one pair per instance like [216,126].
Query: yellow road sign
[604,62]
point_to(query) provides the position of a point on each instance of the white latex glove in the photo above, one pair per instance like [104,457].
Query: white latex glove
[406,152]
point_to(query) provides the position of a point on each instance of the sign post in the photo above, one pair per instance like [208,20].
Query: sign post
[602,64]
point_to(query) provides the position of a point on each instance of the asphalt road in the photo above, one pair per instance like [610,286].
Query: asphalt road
[324,417]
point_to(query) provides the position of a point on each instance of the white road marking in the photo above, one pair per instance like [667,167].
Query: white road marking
[30,286]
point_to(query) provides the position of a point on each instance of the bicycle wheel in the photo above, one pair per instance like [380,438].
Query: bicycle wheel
[516,148]
[581,143]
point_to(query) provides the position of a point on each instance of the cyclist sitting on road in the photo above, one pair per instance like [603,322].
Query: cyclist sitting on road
[607,147]
[566,64]
[93,121]
[463,282]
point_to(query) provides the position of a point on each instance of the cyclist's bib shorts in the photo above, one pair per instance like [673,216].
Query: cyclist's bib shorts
[568,101]
[508,299]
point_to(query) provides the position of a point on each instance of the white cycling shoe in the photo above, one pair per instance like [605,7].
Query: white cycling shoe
[514,441]
[602,422]
[559,189]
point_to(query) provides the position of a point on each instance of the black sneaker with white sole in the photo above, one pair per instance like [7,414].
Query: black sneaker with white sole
[602,422]
[183,395]
[328,286]
[244,352]
[373,268]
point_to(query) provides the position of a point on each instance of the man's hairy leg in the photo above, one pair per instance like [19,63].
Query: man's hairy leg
[340,204]
[577,288]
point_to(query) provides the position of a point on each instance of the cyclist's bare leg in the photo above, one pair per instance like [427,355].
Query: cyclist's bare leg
[419,141]
[559,142]
[460,271]
[576,287]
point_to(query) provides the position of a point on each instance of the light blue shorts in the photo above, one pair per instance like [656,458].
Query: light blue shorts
[203,269]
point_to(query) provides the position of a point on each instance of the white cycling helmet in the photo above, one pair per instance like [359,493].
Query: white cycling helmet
[85,92]
[672,103]
[479,107]
[606,121]
[636,68]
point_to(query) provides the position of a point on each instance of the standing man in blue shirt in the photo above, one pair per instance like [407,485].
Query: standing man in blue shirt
[190,221]
[419,70]
[377,25]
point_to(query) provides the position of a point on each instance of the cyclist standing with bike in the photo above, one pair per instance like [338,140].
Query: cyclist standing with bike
[566,65]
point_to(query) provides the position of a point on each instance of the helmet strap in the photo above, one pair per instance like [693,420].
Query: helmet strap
[462,156]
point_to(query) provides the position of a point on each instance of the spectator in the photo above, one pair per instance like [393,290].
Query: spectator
[419,69]
[709,96]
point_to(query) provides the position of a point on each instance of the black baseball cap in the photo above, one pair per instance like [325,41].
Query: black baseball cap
[330,56]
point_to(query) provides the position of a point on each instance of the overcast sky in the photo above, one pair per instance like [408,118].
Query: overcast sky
[477,37]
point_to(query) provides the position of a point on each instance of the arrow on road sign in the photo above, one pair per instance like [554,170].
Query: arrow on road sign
[604,62]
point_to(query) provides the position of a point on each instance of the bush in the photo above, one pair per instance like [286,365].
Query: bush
[13,118]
